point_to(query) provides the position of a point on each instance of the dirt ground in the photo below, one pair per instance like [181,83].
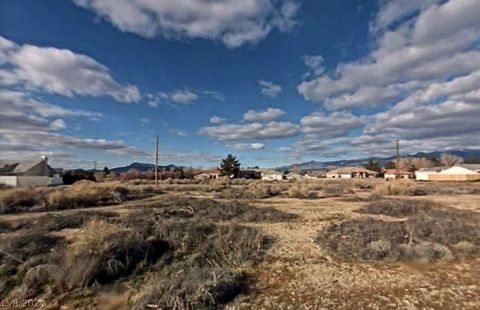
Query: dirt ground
[298,274]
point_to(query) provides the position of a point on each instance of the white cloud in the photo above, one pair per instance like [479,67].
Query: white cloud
[435,44]
[315,64]
[217,120]
[58,124]
[60,71]
[251,131]
[333,125]
[269,89]
[178,132]
[263,116]
[233,22]
[247,146]
[29,127]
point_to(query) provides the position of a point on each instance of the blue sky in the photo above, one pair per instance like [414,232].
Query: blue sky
[271,81]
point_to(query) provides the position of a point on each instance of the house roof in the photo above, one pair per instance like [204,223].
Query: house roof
[458,170]
[348,170]
[473,167]
[17,167]
[395,171]
[433,169]
[208,172]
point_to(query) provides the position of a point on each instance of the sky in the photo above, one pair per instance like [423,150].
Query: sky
[273,82]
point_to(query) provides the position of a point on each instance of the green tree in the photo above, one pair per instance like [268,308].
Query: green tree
[106,171]
[390,165]
[230,166]
[373,165]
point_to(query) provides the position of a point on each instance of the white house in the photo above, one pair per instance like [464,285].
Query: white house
[271,175]
[424,174]
[28,173]
[294,176]
[458,173]
[391,174]
[351,173]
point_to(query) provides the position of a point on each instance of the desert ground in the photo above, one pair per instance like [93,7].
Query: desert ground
[241,244]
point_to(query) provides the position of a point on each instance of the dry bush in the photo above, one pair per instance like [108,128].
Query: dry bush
[399,207]
[254,190]
[19,199]
[363,184]
[101,253]
[217,185]
[301,190]
[54,222]
[179,207]
[398,187]
[81,194]
[430,232]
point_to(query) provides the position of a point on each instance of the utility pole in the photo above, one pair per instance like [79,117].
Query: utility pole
[398,158]
[94,165]
[156,161]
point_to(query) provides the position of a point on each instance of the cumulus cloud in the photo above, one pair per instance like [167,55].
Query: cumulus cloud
[247,146]
[29,126]
[430,47]
[233,22]
[263,116]
[269,89]
[60,71]
[315,65]
[182,96]
[217,120]
[251,131]
[333,125]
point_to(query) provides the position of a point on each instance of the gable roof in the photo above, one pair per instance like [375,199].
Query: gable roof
[349,170]
[458,170]
[9,167]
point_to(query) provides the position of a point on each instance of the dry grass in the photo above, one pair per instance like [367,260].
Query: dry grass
[80,195]
[254,190]
[398,187]
[301,190]
[430,232]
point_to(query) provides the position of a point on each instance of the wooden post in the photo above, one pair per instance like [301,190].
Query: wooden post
[156,162]
[398,158]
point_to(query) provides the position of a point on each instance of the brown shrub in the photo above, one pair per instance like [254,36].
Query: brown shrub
[398,187]
[430,232]
[301,190]
[253,190]
[19,199]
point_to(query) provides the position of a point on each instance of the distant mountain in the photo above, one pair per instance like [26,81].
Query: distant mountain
[319,165]
[142,167]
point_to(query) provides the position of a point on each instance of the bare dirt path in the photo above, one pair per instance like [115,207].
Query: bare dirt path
[298,274]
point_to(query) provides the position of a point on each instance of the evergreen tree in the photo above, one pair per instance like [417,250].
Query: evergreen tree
[373,165]
[230,166]
[106,171]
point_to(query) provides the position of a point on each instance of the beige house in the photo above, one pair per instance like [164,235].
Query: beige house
[424,174]
[208,175]
[28,173]
[271,175]
[458,173]
[391,174]
[351,173]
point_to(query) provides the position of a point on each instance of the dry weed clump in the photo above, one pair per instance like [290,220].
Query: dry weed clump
[301,190]
[399,188]
[254,190]
[101,253]
[201,209]
[81,194]
[430,232]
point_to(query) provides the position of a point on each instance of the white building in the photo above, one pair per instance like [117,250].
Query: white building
[458,173]
[28,173]
[391,174]
[271,175]
[351,173]
[424,174]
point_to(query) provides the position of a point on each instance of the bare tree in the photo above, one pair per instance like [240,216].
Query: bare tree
[450,160]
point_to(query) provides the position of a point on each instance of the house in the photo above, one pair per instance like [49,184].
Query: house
[294,176]
[391,174]
[270,175]
[208,175]
[252,174]
[458,173]
[424,174]
[28,173]
[351,173]
[316,175]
